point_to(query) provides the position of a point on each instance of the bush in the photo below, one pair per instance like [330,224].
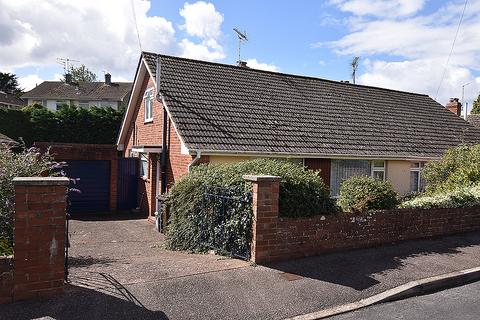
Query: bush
[69,124]
[302,193]
[461,197]
[360,194]
[26,163]
[459,167]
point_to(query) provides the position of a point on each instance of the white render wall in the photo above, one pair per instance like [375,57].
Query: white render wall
[52,104]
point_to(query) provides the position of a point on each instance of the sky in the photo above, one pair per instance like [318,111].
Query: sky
[402,44]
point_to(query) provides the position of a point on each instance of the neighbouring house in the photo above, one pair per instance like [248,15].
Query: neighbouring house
[184,112]
[56,94]
[11,101]
[474,119]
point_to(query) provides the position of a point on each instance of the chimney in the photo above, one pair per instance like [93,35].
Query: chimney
[68,78]
[242,64]
[454,106]
[108,79]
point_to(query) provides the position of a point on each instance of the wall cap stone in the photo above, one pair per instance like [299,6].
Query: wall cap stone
[41,181]
[259,178]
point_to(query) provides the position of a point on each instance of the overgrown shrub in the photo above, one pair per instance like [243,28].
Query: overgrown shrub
[302,193]
[26,163]
[69,124]
[461,197]
[459,167]
[360,194]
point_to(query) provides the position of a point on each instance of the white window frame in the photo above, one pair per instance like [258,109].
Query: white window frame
[419,170]
[379,169]
[84,104]
[143,159]
[148,105]
[60,103]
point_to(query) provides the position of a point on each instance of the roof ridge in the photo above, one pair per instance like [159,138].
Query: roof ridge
[282,73]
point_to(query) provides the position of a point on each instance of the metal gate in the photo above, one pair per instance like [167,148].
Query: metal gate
[127,183]
[93,182]
[226,221]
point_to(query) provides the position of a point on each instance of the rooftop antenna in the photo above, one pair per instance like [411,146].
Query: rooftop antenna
[354,65]
[242,36]
[65,62]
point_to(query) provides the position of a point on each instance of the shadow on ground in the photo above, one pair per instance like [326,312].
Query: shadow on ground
[94,296]
[108,216]
[85,261]
[356,268]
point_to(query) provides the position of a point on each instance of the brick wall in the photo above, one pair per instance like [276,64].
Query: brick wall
[6,279]
[88,152]
[39,240]
[276,238]
[150,133]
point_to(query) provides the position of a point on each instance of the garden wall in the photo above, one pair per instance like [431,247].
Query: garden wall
[276,238]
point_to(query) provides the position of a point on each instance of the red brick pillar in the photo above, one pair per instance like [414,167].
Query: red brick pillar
[265,215]
[113,184]
[39,236]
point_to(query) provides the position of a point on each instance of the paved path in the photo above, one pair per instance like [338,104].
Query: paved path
[120,270]
[457,303]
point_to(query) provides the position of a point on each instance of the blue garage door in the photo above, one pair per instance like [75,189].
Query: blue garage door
[93,183]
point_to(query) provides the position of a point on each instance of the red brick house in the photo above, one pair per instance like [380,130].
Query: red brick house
[183,112]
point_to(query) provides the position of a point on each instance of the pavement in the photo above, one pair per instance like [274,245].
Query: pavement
[457,303]
[120,270]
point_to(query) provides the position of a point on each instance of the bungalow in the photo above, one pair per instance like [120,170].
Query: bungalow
[55,94]
[11,101]
[183,112]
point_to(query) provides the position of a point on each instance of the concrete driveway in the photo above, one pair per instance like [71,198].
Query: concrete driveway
[120,270]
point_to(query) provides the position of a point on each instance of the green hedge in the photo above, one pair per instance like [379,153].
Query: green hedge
[462,197]
[458,168]
[69,124]
[302,193]
[362,193]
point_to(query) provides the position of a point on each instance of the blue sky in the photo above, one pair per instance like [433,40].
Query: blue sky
[403,44]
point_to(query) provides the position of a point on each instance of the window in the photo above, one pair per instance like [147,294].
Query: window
[378,169]
[148,100]
[143,165]
[83,104]
[39,102]
[61,104]
[343,169]
[417,183]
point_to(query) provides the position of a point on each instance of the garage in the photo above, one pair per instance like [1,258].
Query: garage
[93,181]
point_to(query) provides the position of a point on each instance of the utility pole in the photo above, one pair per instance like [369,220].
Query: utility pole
[463,97]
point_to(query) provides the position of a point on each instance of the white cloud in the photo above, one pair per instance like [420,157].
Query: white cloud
[419,46]
[254,64]
[202,20]
[383,8]
[29,82]
[101,34]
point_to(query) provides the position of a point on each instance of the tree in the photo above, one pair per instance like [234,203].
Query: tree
[9,84]
[476,106]
[81,74]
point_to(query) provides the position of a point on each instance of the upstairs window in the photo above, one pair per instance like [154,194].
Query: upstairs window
[417,183]
[148,101]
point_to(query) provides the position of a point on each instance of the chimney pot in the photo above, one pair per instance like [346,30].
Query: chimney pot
[454,106]
[108,79]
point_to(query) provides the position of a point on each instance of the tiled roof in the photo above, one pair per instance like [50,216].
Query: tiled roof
[80,91]
[228,108]
[474,119]
[12,99]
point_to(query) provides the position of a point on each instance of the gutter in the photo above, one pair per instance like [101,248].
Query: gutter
[195,160]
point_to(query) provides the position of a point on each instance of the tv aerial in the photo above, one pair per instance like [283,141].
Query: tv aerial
[242,37]
[65,62]
[354,65]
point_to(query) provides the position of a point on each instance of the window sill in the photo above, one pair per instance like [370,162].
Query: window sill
[145,179]
[148,120]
